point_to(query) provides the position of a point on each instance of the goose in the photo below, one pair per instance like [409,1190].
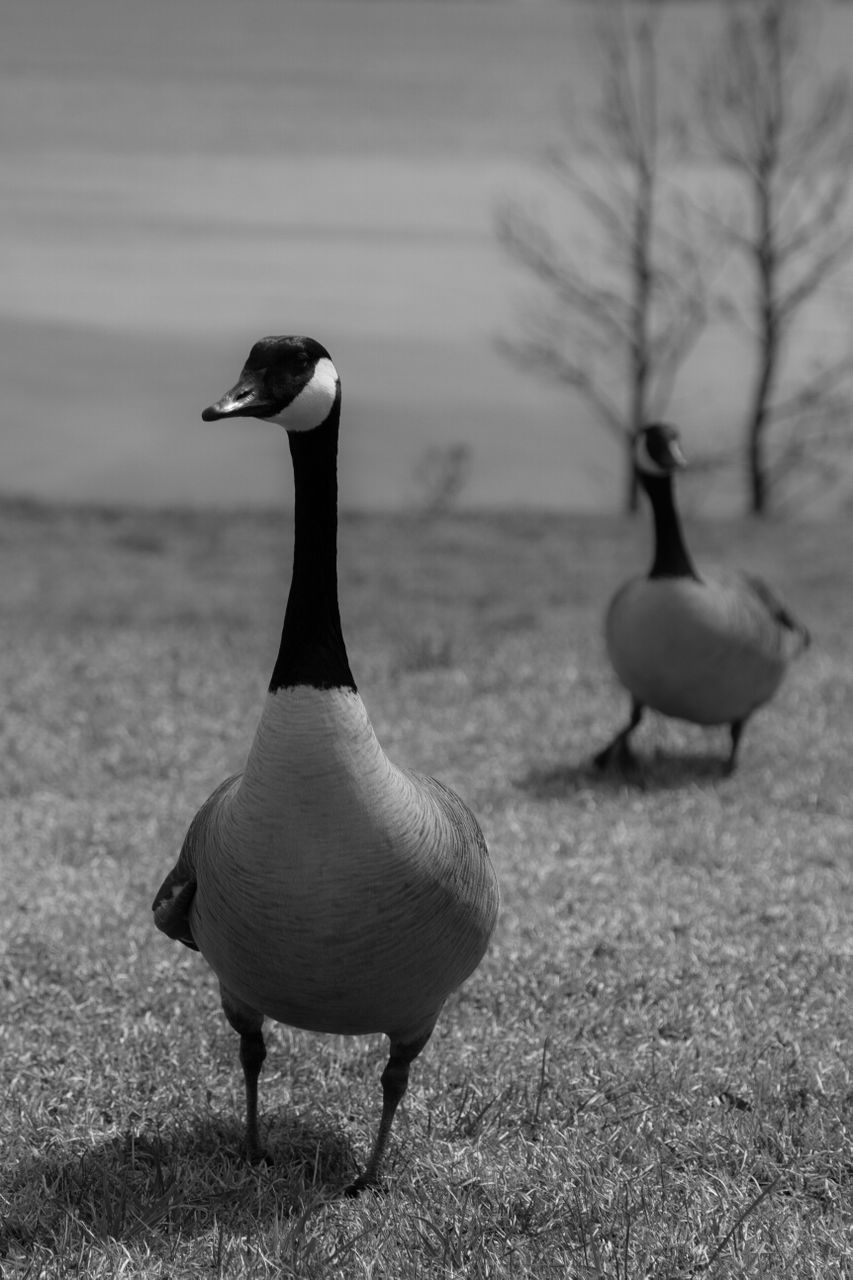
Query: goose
[327,888]
[706,650]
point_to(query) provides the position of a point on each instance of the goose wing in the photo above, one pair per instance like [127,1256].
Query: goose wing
[173,900]
[471,881]
[776,607]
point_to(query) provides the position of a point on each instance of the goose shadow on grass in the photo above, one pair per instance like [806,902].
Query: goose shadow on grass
[657,771]
[142,1183]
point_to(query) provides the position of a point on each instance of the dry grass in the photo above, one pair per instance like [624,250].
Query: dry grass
[650,1073]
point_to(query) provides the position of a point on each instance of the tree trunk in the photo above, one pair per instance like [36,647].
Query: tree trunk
[755,470]
[770,338]
[759,415]
[642,270]
[631,502]
[756,462]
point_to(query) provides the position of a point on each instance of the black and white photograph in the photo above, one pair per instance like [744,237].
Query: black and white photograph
[426,601]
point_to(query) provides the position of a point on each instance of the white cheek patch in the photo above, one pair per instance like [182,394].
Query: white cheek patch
[314,402]
[645,462]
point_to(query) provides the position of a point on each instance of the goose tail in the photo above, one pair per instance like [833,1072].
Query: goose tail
[780,613]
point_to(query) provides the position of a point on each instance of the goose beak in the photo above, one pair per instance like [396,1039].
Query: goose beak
[244,400]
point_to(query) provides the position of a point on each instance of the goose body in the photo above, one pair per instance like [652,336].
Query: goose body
[708,650]
[366,884]
[326,887]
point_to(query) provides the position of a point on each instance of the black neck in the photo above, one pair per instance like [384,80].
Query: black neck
[312,650]
[672,559]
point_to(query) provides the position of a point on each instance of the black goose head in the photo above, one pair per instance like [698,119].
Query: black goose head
[291,381]
[657,451]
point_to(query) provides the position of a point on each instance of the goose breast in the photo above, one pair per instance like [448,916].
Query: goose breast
[340,893]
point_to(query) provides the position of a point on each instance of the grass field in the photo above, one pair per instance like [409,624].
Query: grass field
[649,1075]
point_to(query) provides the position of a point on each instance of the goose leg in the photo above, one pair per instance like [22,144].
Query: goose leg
[247,1023]
[619,749]
[395,1080]
[736,729]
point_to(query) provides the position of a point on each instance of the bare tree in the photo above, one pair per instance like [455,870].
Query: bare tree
[786,133]
[615,321]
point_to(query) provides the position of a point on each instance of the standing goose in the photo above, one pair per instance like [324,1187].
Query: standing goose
[699,649]
[326,888]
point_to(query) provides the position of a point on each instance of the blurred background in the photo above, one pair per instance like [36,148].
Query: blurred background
[181,177]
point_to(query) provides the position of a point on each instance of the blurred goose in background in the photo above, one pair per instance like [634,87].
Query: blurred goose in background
[327,888]
[707,650]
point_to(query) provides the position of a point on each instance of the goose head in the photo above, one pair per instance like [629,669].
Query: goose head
[289,380]
[657,451]
[293,382]
[657,457]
